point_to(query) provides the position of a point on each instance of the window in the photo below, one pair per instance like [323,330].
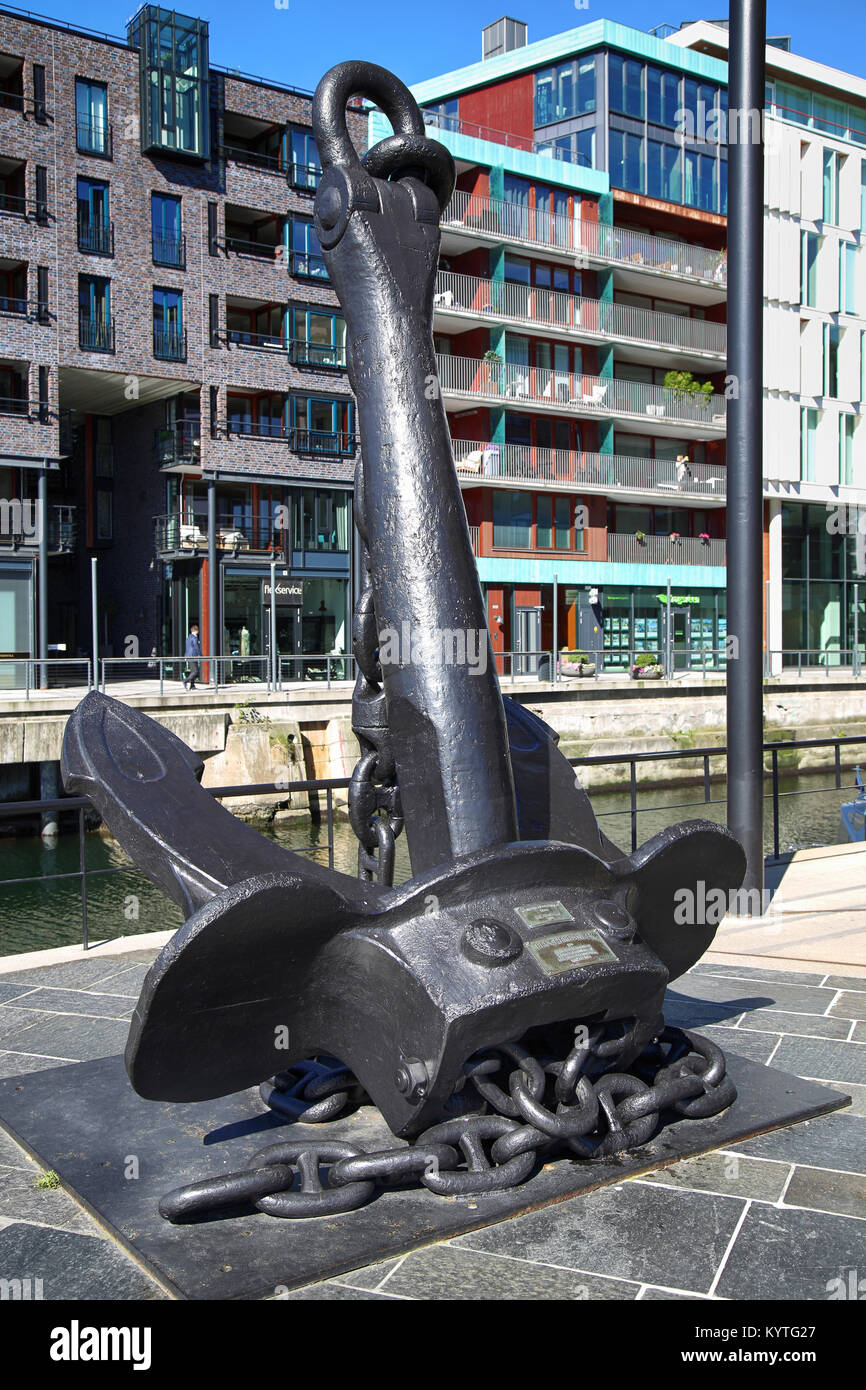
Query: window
[664,172]
[626,161]
[323,426]
[662,97]
[167,243]
[94,225]
[173,68]
[319,339]
[92,134]
[808,431]
[832,337]
[565,91]
[443,114]
[809,269]
[512,520]
[625,81]
[11,82]
[305,251]
[863,195]
[321,519]
[847,281]
[831,187]
[169,339]
[846,449]
[305,167]
[95,326]
[700,184]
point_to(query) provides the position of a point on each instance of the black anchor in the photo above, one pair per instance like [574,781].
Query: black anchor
[520,912]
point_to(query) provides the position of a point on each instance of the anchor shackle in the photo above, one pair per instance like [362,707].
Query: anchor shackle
[407,152]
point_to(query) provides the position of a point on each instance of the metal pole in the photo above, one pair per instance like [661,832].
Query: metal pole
[42,581]
[212,582]
[745,411]
[668,644]
[274,623]
[555,629]
[855,671]
[94,618]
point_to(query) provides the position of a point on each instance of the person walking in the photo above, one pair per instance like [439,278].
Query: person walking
[192,653]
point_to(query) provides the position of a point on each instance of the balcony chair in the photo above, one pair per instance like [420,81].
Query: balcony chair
[595,397]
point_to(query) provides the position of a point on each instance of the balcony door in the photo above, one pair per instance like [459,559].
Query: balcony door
[527,641]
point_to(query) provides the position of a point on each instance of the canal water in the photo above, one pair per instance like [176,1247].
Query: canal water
[121,902]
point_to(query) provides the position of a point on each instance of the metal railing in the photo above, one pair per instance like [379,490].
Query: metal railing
[188,531]
[625,548]
[95,335]
[169,344]
[168,250]
[254,159]
[13,305]
[708,768]
[31,675]
[178,443]
[498,220]
[303,353]
[504,382]
[257,429]
[97,238]
[308,267]
[240,337]
[62,529]
[574,314]
[304,177]
[15,405]
[94,137]
[826,659]
[334,442]
[565,467]
[265,250]
[227,670]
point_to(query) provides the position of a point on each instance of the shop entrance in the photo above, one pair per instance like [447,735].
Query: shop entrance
[527,641]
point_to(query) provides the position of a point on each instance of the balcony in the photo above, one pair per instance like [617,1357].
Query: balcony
[169,344]
[569,315]
[241,337]
[251,158]
[96,238]
[574,393]
[94,137]
[254,232]
[315,355]
[15,405]
[186,532]
[178,444]
[586,472]
[95,335]
[168,250]
[492,219]
[241,426]
[62,529]
[663,550]
[308,267]
[334,443]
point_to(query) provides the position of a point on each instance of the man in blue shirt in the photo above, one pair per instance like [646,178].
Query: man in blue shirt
[192,652]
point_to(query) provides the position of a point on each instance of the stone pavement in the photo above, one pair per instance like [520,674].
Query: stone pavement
[777,1217]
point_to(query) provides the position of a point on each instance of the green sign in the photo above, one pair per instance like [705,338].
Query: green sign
[679,599]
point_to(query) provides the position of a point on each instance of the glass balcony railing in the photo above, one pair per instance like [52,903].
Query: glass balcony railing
[514,384]
[580,469]
[471,295]
[494,219]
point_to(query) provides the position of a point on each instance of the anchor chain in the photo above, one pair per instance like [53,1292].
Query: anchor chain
[375,813]
[525,1107]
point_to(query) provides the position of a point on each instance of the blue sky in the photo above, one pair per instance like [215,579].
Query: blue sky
[298,43]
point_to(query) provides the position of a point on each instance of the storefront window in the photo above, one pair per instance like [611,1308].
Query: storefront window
[321,520]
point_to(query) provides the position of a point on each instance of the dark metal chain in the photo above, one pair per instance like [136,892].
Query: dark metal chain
[525,1107]
[374,797]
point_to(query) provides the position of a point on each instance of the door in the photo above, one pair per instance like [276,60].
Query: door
[527,641]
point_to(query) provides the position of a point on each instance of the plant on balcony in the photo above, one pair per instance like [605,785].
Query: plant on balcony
[640,537]
[683,384]
[675,537]
[704,538]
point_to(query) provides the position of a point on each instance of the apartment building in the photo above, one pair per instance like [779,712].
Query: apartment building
[580,322]
[173,386]
[814,358]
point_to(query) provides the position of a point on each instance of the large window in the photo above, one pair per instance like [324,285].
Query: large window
[95,328]
[321,519]
[662,97]
[173,68]
[565,91]
[832,338]
[166,237]
[169,339]
[323,425]
[808,443]
[305,251]
[626,161]
[625,83]
[664,172]
[305,167]
[846,449]
[319,338]
[809,269]
[847,278]
[512,520]
[91,117]
[831,187]
[94,223]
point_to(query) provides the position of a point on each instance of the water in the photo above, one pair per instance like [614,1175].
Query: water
[37,915]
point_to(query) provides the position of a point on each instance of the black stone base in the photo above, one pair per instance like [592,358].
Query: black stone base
[119,1154]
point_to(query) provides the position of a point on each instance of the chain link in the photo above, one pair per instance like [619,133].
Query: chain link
[578,1105]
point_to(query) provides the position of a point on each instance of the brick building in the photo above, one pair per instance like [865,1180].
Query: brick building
[173,392]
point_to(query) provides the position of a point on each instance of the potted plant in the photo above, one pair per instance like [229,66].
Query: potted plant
[675,538]
[683,385]
[640,537]
[646,667]
[575,663]
[704,538]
